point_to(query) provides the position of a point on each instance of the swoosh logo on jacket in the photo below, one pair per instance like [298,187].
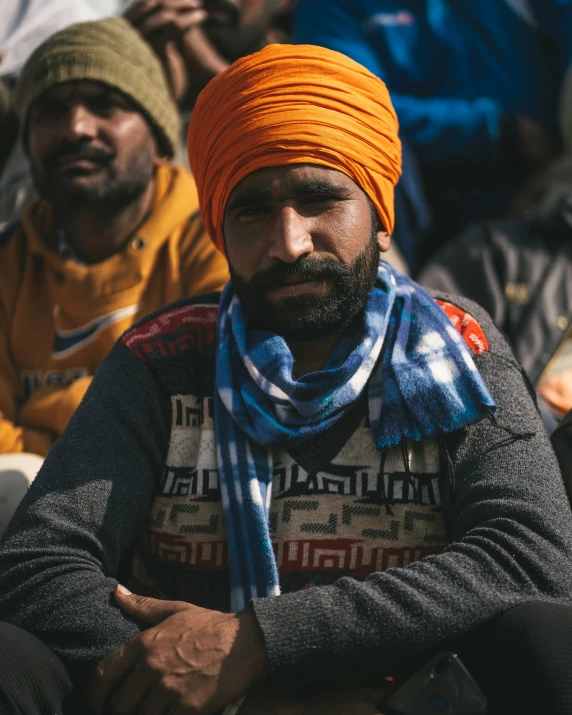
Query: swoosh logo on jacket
[66,342]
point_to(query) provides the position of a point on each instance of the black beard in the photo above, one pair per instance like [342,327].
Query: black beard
[310,317]
[108,192]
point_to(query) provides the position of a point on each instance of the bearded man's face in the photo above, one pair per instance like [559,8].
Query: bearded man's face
[90,149]
[303,248]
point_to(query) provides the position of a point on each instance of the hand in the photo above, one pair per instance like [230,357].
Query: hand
[341,701]
[202,60]
[173,29]
[536,147]
[557,391]
[192,661]
[161,21]
[175,69]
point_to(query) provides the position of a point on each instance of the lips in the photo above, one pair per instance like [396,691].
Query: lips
[77,161]
[295,286]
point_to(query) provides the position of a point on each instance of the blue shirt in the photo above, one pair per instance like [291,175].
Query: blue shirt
[454,67]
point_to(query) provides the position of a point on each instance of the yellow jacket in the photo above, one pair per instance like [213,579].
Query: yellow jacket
[58,318]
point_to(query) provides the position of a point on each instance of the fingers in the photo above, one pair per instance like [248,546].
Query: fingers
[112,670]
[156,703]
[148,610]
[166,20]
[132,692]
[137,11]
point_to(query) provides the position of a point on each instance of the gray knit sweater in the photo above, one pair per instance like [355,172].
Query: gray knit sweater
[508,524]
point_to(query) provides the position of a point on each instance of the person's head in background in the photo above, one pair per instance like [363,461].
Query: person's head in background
[197,39]
[96,119]
[24,25]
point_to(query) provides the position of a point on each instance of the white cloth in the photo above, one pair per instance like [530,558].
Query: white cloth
[25,24]
[17,472]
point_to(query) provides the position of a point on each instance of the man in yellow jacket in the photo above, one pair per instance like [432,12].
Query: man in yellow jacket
[116,234]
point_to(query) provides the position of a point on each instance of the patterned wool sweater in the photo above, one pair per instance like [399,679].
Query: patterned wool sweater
[380,556]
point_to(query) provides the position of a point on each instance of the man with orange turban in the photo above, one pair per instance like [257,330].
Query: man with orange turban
[284,497]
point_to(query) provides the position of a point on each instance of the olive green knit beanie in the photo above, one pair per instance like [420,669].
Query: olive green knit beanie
[109,51]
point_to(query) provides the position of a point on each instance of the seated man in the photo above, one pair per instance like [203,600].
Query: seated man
[480,117]
[197,39]
[25,24]
[520,271]
[116,235]
[314,478]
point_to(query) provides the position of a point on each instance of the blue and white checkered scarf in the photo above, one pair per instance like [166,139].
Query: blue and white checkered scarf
[425,383]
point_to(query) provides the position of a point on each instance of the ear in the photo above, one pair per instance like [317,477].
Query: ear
[383,240]
[160,153]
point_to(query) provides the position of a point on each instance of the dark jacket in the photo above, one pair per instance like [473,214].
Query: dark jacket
[520,271]
[508,522]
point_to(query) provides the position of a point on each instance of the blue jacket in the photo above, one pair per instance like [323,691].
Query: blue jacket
[455,68]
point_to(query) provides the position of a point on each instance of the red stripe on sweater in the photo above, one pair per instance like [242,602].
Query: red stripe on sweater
[190,327]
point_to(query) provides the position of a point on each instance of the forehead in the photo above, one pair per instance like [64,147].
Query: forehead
[82,90]
[282,179]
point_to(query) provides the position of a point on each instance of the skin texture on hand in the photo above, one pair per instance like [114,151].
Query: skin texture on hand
[191,661]
[165,20]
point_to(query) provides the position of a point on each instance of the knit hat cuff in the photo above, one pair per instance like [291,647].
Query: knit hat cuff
[108,51]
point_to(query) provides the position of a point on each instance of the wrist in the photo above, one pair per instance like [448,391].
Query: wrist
[253,640]
[203,61]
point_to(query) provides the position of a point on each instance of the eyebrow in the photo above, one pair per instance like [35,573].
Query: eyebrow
[252,197]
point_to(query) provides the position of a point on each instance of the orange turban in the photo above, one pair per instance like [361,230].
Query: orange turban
[293,104]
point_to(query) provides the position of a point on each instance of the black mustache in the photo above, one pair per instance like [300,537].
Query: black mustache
[92,153]
[305,269]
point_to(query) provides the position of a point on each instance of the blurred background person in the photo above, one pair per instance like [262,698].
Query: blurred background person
[520,270]
[25,24]
[475,86]
[197,39]
[116,234]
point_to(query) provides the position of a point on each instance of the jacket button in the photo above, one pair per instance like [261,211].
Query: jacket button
[562,322]
[137,244]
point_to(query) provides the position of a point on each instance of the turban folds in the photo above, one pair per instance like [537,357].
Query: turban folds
[293,104]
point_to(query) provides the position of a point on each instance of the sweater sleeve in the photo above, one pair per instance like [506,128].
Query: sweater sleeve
[61,551]
[510,542]
[451,130]
[13,436]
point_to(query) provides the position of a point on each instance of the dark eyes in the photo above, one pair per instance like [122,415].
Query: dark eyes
[253,211]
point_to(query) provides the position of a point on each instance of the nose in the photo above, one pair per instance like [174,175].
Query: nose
[79,123]
[291,237]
